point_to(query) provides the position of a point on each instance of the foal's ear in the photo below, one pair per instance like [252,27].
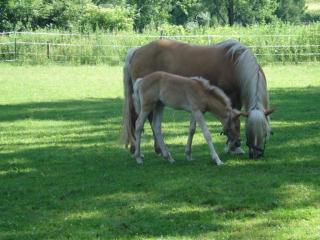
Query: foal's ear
[269,111]
[237,113]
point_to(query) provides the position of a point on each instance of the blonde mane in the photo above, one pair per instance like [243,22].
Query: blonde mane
[248,73]
[213,89]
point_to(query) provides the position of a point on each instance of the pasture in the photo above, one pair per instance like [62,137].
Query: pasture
[64,174]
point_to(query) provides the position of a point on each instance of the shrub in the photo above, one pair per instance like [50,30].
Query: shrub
[107,18]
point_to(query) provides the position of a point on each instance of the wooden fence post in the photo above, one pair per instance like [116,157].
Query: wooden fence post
[161,34]
[48,50]
[15,49]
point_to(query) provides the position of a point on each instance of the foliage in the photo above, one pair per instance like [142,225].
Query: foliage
[112,19]
[147,12]
[87,15]
[291,10]
[65,176]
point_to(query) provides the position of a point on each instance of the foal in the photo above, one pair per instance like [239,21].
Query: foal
[195,95]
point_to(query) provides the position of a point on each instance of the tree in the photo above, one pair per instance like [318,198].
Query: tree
[150,12]
[184,11]
[290,10]
[241,11]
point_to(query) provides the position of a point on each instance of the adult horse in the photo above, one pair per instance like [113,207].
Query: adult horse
[229,65]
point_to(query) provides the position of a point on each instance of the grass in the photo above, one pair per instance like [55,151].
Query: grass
[278,42]
[64,176]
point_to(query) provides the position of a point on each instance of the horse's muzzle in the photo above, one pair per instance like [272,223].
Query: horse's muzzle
[255,153]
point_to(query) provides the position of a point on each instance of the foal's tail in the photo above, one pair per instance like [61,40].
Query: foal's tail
[129,113]
[136,96]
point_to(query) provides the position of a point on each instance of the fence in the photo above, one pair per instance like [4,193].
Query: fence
[42,48]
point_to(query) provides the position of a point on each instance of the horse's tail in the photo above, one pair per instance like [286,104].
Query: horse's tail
[129,113]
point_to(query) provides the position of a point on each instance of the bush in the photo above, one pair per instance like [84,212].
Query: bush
[107,18]
[311,17]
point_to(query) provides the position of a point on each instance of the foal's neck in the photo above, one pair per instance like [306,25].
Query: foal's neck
[220,109]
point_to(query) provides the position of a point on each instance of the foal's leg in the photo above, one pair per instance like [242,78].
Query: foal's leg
[157,148]
[156,125]
[200,119]
[139,127]
[192,130]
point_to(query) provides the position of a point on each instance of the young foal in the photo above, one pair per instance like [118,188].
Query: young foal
[194,95]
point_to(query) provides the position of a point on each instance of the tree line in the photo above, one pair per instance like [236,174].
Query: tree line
[118,15]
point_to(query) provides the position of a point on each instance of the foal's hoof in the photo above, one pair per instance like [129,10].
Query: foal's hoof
[170,160]
[189,158]
[219,163]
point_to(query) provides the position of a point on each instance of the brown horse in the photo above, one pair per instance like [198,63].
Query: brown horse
[229,65]
[159,89]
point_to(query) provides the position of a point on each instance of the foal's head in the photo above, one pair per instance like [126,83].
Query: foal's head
[231,128]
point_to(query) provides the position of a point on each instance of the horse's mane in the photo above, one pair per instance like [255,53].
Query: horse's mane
[248,74]
[213,89]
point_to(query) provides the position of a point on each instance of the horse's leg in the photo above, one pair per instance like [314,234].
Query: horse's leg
[134,117]
[192,130]
[157,149]
[139,127]
[156,125]
[200,119]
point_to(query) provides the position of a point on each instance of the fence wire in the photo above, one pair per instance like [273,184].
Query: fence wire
[38,48]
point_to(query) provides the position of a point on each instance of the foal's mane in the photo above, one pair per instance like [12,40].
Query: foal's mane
[217,92]
[248,74]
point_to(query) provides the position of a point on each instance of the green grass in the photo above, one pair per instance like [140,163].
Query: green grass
[63,174]
[279,42]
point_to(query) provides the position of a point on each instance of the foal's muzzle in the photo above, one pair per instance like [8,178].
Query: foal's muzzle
[237,143]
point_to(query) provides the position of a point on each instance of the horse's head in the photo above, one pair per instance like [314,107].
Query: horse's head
[257,131]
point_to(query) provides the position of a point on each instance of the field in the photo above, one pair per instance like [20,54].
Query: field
[279,42]
[64,174]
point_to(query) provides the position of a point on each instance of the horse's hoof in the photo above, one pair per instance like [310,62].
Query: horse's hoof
[172,161]
[237,151]
[139,160]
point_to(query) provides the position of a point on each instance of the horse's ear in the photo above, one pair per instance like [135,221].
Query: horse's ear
[269,111]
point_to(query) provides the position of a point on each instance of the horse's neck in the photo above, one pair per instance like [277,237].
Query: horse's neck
[254,93]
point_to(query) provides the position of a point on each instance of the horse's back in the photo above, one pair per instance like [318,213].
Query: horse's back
[177,58]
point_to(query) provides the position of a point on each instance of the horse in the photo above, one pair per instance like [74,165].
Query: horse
[228,65]
[159,89]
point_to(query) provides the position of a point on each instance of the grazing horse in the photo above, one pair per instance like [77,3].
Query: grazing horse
[228,65]
[156,90]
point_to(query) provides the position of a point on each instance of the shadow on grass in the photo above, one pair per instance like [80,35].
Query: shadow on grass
[87,186]
[91,110]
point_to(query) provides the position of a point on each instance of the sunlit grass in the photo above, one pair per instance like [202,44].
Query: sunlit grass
[64,175]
